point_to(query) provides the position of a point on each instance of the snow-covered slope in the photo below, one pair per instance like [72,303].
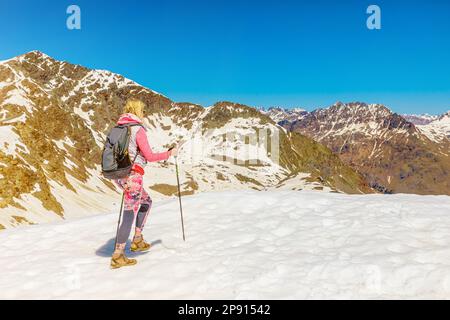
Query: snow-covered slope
[439,129]
[244,245]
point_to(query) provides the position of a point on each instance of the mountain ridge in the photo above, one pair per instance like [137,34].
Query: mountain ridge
[392,153]
[54,117]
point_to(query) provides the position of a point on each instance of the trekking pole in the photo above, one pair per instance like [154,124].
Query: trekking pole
[118,222]
[179,196]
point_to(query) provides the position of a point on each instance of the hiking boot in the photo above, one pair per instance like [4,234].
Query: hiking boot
[120,260]
[139,244]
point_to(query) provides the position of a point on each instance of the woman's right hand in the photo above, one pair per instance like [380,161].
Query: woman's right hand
[174,151]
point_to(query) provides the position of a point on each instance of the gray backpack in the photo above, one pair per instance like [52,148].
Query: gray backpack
[116,162]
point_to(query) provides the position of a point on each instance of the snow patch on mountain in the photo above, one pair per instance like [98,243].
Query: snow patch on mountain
[438,129]
[9,140]
[298,182]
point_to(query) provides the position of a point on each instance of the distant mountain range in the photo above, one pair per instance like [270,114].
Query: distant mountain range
[54,117]
[392,153]
[419,119]
[281,114]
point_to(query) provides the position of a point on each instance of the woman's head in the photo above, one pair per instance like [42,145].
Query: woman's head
[135,107]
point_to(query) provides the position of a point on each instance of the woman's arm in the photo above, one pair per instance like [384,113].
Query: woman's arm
[146,150]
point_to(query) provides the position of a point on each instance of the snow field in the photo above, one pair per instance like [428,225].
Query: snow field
[244,245]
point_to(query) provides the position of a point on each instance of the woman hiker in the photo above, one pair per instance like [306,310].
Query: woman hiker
[137,202]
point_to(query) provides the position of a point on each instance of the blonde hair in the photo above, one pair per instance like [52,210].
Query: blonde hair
[135,107]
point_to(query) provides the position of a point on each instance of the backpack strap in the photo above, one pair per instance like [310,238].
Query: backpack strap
[125,125]
[128,126]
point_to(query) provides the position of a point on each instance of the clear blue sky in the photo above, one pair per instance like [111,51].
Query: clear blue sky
[286,53]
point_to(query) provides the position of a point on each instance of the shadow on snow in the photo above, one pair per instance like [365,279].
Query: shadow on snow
[107,249]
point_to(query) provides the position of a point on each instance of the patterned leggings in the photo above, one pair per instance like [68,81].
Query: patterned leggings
[137,204]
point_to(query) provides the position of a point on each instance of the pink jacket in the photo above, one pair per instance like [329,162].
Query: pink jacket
[139,142]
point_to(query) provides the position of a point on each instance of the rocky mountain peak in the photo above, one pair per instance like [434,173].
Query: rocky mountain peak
[35,55]
[358,108]
[363,115]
